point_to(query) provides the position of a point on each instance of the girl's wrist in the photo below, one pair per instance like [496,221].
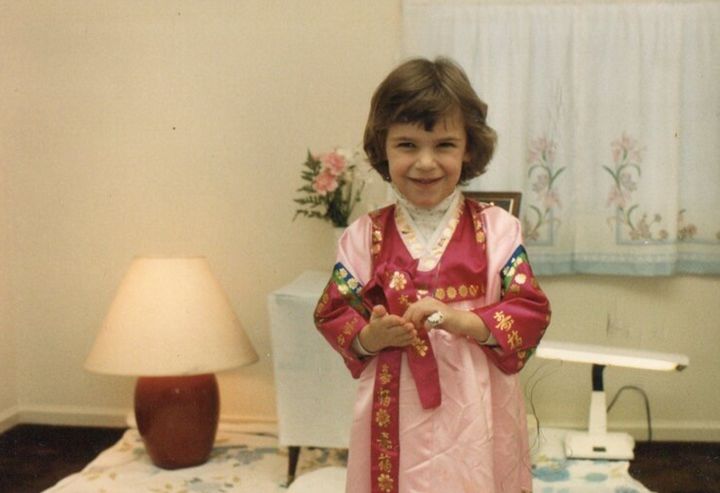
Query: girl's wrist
[363,344]
[472,326]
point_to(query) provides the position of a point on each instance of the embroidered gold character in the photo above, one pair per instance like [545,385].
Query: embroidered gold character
[504,322]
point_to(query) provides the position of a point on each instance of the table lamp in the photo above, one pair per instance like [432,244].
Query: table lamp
[172,326]
[597,443]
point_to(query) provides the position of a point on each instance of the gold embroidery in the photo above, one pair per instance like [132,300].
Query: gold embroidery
[420,346]
[384,462]
[324,299]
[477,223]
[341,340]
[348,327]
[344,290]
[514,289]
[382,418]
[462,291]
[353,283]
[384,441]
[514,340]
[398,281]
[384,397]
[520,279]
[404,300]
[343,272]
[385,482]
[385,376]
[504,322]
[377,238]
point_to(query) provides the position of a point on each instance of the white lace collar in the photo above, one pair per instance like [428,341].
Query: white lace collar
[426,232]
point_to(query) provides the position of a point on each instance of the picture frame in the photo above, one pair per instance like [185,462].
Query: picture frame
[510,201]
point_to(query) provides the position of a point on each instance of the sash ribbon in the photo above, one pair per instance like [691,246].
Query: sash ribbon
[392,287]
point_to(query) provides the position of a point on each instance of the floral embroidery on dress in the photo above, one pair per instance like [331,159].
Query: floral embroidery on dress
[348,287]
[398,281]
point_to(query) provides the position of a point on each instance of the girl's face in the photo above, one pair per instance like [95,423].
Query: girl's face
[425,165]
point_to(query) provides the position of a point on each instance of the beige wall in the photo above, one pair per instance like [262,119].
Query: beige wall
[8,360]
[179,127]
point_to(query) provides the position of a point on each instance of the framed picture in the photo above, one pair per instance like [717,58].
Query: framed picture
[510,201]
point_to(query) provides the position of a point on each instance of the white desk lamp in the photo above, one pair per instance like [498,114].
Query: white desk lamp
[597,443]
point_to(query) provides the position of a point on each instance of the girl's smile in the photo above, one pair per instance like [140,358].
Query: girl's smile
[425,165]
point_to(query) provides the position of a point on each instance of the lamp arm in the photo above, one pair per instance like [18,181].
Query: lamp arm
[597,378]
[597,421]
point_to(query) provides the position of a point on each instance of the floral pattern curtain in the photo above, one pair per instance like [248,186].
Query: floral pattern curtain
[608,117]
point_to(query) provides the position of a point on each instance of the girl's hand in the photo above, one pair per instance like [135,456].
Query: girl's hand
[459,322]
[385,330]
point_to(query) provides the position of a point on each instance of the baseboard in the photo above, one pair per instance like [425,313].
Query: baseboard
[8,418]
[73,416]
[115,418]
[662,430]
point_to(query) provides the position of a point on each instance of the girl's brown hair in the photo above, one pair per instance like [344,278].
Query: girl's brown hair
[423,91]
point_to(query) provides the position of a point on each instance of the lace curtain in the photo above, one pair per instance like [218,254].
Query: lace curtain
[608,117]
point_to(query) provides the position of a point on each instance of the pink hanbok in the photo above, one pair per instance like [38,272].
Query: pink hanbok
[445,414]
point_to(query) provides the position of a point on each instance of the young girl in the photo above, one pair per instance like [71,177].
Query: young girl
[432,302]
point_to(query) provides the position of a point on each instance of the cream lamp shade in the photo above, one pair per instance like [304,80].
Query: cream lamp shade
[172,326]
[170,316]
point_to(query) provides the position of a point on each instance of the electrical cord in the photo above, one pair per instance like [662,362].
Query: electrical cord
[647,405]
[551,368]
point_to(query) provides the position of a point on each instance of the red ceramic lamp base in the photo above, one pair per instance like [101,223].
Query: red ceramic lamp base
[177,418]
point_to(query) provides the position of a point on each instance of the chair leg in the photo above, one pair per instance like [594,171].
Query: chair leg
[293,456]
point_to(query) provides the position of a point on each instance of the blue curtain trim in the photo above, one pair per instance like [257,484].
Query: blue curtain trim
[545,265]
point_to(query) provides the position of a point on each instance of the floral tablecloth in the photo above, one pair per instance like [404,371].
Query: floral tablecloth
[252,462]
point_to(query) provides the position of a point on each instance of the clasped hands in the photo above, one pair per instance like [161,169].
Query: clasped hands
[386,330]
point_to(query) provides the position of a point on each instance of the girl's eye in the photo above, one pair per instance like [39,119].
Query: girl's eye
[447,144]
[406,145]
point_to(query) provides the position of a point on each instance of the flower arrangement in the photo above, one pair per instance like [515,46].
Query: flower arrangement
[333,186]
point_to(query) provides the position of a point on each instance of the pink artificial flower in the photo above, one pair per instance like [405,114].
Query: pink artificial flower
[334,162]
[325,182]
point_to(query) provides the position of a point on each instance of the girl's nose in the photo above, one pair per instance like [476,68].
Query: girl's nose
[426,159]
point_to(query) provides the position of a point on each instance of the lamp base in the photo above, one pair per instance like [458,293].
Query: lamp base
[177,418]
[611,446]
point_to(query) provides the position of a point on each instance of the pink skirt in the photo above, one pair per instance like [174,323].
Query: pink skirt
[475,442]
